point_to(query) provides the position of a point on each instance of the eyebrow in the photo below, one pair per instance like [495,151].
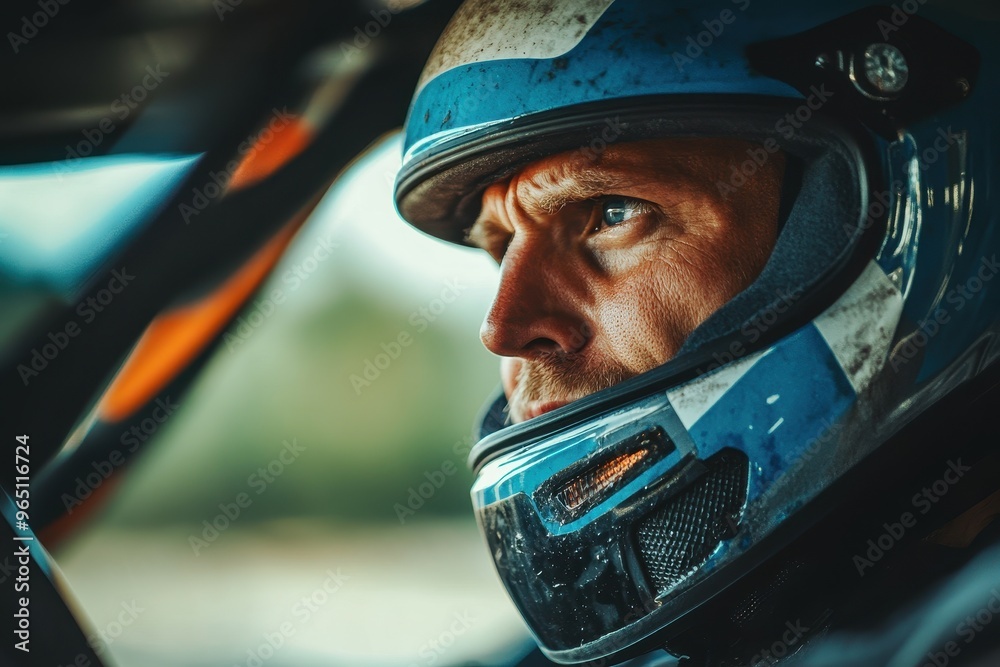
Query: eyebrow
[547,192]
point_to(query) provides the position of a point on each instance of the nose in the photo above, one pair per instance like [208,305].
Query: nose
[540,305]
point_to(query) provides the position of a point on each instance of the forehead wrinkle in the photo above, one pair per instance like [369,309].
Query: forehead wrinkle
[548,190]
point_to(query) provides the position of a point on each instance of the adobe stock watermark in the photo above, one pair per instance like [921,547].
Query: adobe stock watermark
[102,639]
[363,35]
[923,501]
[967,629]
[8,568]
[420,320]
[786,127]
[828,430]
[881,202]
[610,133]
[264,307]
[122,107]
[699,43]
[434,649]
[783,645]
[957,299]
[302,611]
[131,440]
[943,141]
[106,636]
[754,328]
[901,13]
[259,481]
[30,25]
[87,310]
[218,181]
[431,481]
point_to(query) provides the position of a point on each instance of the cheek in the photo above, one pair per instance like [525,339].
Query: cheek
[733,260]
[646,315]
[648,311]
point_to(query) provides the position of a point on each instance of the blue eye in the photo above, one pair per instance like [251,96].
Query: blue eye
[616,211]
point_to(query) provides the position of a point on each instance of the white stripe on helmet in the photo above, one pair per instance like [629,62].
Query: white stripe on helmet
[496,29]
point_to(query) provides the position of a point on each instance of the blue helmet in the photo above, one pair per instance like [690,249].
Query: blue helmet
[611,519]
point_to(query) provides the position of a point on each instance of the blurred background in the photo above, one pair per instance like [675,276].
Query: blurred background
[249,387]
[345,501]
[413,562]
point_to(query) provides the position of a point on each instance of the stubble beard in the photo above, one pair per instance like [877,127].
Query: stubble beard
[561,377]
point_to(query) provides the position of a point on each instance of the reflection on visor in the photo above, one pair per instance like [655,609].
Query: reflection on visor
[601,522]
[581,487]
[591,486]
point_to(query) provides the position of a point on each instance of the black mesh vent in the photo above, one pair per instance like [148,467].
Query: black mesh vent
[678,538]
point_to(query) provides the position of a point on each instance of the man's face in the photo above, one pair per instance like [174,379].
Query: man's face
[606,266]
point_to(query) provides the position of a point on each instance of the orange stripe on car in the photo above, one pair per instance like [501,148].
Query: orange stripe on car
[175,338]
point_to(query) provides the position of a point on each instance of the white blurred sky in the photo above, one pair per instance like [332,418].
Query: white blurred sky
[359,211]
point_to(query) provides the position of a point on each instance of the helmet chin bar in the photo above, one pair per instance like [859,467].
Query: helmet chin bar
[628,514]
[608,531]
